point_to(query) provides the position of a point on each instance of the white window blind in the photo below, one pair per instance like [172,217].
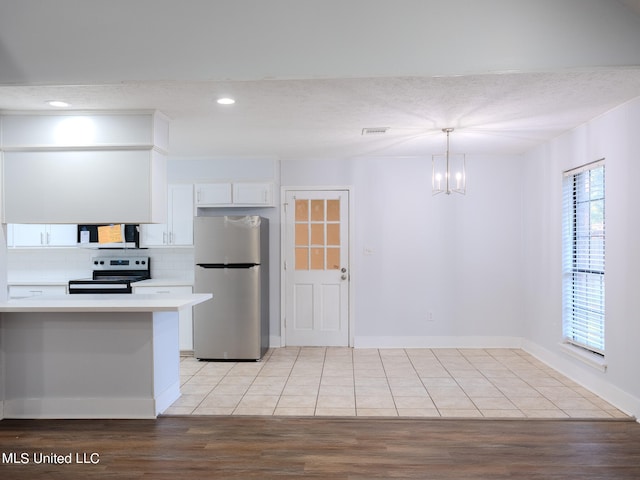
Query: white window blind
[584,256]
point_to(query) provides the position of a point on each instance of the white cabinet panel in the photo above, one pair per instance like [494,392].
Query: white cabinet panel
[62,235]
[38,235]
[85,186]
[181,214]
[252,194]
[213,194]
[153,235]
[25,291]
[178,231]
[25,235]
[237,194]
[186,314]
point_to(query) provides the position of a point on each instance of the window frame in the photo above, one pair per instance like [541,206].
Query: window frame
[583,257]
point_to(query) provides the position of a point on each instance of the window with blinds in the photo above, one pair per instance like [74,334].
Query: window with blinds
[584,257]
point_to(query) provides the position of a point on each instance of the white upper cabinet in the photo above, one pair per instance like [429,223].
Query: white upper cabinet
[76,168]
[178,230]
[213,194]
[252,194]
[37,235]
[237,194]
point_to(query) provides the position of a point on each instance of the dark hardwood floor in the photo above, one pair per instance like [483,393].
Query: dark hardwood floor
[324,448]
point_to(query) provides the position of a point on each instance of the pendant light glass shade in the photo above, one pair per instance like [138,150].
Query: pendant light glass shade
[448,172]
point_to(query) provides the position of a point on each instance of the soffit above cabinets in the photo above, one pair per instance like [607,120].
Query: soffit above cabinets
[84,168]
[84,130]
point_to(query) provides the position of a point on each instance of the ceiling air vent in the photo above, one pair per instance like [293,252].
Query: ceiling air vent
[375,131]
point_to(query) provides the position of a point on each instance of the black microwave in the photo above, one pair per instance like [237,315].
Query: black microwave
[88,236]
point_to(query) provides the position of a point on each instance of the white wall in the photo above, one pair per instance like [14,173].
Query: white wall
[614,137]
[456,257]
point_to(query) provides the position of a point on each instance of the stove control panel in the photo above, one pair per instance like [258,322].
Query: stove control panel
[120,263]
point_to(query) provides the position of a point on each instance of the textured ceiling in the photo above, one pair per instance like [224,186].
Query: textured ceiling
[321,113]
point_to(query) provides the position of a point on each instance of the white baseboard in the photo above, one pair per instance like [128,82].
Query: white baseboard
[592,380]
[79,408]
[437,342]
[166,398]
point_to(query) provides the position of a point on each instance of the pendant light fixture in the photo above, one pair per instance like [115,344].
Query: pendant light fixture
[448,174]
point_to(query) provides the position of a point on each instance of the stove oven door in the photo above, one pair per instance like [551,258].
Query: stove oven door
[99,286]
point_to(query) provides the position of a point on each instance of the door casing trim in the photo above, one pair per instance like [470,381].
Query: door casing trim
[283,238]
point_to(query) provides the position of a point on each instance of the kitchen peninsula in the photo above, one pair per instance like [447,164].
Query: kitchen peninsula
[91,356]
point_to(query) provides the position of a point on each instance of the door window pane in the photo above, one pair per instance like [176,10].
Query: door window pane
[302,210]
[302,258]
[333,210]
[317,259]
[302,234]
[317,210]
[333,258]
[317,234]
[333,234]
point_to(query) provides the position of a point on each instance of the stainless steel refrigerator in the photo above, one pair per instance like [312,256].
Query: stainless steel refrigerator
[231,262]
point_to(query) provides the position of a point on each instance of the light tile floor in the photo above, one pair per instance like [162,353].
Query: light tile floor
[312,381]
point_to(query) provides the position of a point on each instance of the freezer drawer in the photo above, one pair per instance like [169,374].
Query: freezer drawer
[228,327]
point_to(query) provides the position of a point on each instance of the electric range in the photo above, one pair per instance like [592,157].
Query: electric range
[113,275]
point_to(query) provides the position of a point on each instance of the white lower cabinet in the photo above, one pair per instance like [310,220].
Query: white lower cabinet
[25,291]
[186,315]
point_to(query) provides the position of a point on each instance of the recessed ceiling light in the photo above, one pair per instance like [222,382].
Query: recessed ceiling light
[226,101]
[57,103]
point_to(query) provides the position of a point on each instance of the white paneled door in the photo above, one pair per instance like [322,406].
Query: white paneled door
[316,268]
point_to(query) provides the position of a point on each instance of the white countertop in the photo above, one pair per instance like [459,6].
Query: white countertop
[104,303]
[163,282]
[152,282]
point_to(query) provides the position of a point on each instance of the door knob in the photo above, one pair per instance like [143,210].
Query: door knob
[343,276]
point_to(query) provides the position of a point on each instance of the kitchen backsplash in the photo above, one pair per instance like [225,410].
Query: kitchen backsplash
[63,264]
